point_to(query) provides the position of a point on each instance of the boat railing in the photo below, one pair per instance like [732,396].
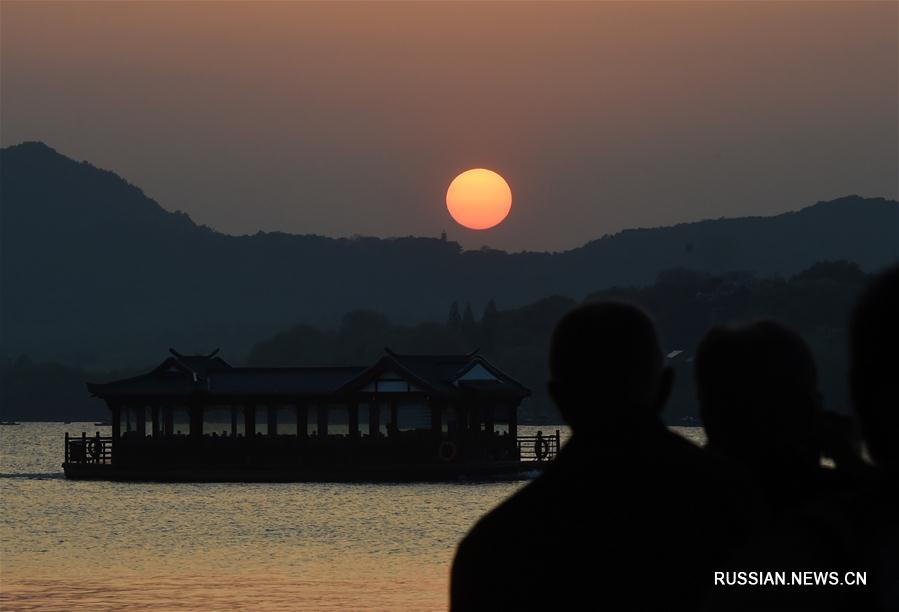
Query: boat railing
[89,449]
[539,447]
[97,449]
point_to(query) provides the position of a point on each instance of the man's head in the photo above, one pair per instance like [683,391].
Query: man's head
[758,393]
[874,367]
[606,364]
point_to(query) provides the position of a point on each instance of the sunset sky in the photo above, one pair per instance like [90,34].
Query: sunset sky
[353,118]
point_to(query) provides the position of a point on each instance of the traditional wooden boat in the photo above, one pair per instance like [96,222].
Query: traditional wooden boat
[404,418]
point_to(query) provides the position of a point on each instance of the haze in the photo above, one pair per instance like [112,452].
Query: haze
[352,118]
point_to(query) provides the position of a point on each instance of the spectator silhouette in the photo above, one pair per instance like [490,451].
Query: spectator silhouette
[874,370]
[760,405]
[846,533]
[630,515]
[873,520]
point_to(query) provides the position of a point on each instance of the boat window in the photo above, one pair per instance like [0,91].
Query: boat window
[136,420]
[148,420]
[321,414]
[261,420]
[501,419]
[287,420]
[413,414]
[392,386]
[238,413]
[128,416]
[180,421]
[365,412]
[338,420]
[384,423]
[217,421]
[363,419]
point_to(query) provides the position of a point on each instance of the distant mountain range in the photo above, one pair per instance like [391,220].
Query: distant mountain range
[93,272]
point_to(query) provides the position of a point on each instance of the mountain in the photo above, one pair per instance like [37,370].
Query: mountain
[93,272]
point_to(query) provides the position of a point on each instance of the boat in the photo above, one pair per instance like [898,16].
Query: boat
[103,424]
[403,418]
[8,423]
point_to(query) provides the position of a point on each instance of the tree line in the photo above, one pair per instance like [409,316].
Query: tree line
[684,303]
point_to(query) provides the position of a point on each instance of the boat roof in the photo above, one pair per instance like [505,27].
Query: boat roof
[212,377]
[447,375]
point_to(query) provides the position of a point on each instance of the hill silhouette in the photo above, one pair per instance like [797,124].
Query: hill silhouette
[93,272]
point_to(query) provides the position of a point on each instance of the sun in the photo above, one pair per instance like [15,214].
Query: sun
[479,199]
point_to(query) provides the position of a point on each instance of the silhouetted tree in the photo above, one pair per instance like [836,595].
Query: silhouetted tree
[454,320]
[684,305]
[300,345]
[362,336]
[836,271]
[469,326]
[490,313]
[489,323]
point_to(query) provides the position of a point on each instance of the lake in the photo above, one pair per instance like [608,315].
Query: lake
[80,545]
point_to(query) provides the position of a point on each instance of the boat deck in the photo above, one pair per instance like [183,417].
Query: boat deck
[288,459]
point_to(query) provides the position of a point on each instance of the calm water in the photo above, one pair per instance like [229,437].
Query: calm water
[116,546]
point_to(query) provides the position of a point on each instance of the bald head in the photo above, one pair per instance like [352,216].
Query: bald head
[606,363]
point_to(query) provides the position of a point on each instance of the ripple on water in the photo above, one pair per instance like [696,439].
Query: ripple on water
[82,545]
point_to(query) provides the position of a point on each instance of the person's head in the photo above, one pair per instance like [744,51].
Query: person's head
[874,367]
[606,365]
[758,395]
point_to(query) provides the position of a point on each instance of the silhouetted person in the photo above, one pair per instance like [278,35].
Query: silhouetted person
[874,370]
[760,405]
[873,520]
[857,533]
[630,515]
[539,451]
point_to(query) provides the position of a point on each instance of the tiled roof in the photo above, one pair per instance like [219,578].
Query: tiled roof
[212,377]
[439,374]
[310,381]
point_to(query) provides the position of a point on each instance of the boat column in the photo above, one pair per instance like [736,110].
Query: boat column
[154,416]
[323,420]
[233,421]
[513,421]
[437,408]
[116,409]
[141,420]
[353,419]
[272,421]
[302,420]
[394,427]
[374,418]
[249,420]
[195,411]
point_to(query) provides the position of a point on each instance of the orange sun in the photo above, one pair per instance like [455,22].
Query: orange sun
[479,199]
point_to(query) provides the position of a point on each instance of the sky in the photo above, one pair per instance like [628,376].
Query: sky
[350,118]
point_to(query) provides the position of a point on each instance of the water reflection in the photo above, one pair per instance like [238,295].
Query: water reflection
[82,545]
